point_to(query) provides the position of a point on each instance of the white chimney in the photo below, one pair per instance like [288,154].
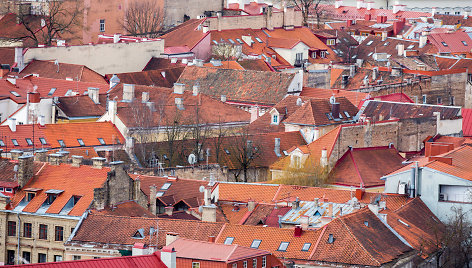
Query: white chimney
[184,61]
[316,134]
[93,94]
[145,97]
[400,50]
[254,113]
[128,92]
[466,14]
[433,11]
[241,4]
[324,158]
[196,89]
[138,249]
[173,60]
[384,36]
[360,4]
[223,98]
[41,120]
[169,257]
[369,5]
[12,124]
[163,73]
[112,107]
[375,73]
[338,3]
[205,28]
[423,40]
[277,147]
[179,88]
[116,38]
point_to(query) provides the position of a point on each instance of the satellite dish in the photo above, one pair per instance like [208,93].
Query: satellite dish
[192,159]
[202,189]
[332,100]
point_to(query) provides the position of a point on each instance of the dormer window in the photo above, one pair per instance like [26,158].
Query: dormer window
[52,195]
[139,234]
[275,119]
[296,161]
[322,54]
[331,42]
[30,196]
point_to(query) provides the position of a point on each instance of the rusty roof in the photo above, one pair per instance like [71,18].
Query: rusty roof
[49,69]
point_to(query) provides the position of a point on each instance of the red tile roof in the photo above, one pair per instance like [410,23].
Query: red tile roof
[351,12]
[7,55]
[160,63]
[79,106]
[160,77]
[185,34]
[49,69]
[9,28]
[199,250]
[467,122]
[73,181]
[457,42]
[126,208]
[355,167]
[353,96]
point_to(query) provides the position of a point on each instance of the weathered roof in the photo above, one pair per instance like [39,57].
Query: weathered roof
[79,106]
[353,96]
[456,42]
[49,69]
[159,77]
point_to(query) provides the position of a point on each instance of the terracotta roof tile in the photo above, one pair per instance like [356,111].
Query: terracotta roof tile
[352,12]
[159,77]
[467,122]
[79,106]
[353,96]
[246,191]
[48,69]
[126,208]
[10,29]
[457,42]
[185,34]
[229,64]
[161,63]
[7,55]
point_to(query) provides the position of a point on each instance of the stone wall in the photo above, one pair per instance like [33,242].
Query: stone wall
[175,10]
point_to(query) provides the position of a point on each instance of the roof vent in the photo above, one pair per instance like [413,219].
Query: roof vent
[330,239]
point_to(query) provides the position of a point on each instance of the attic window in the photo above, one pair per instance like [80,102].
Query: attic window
[229,240]
[275,119]
[62,143]
[2,143]
[329,116]
[386,43]
[166,186]
[258,40]
[404,223]
[256,243]
[340,116]
[15,93]
[464,43]
[215,42]
[366,223]
[306,246]
[239,41]
[29,142]
[139,234]
[15,142]
[370,54]
[81,142]
[51,92]
[43,141]
[101,140]
[410,46]
[231,41]
[355,56]
[226,151]
[283,246]
[369,43]
[330,239]
[69,92]
[444,44]
[159,194]
[165,157]
[347,114]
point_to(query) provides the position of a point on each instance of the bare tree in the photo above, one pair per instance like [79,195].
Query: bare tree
[58,18]
[311,7]
[245,150]
[200,131]
[305,175]
[143,18]
[226,51]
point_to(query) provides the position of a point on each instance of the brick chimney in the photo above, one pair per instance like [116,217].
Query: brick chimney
[25,169]
[55,159]
[41,155]
[297,232]
[152,198]
[77,160]
[98,162]
[15,154]
[268,14]
[209,213]
[211,239]
[128,92]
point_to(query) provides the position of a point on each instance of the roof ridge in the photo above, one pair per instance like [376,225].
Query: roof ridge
[362,184]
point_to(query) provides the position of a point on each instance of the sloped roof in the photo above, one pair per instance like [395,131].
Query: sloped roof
[186,34]
[353,96]
[73,181]
[227,64]
[242,85]
[49,69]
[7,55]
[356,168]
[160,77]
[456,42]
[467,122]
[161,63]
[388,110]
[352,12]
[356,243]
[80,106]
[9,28]
[8,174]
[256,65]
[126,208]
[199,250]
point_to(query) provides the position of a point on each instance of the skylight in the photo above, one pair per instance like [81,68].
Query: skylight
[229,240]
[15,93]
[81,142]
[226,151]
[231,41]
[159,194]
[215,42]
[28,140]
[369,43]
[239,41]
[404,223]
[139,234]
[410,46]
[51,92]
[444,44]
[101,140]
[306,246]
[2,143]
[69,92]
[347,114]
[258,40]
[43,141]
[370,54]
[62,143]
[464,43]
[329,116]
[283,246]
[386,43]
[166,186]
[256,243]
[355,56]
[15,142]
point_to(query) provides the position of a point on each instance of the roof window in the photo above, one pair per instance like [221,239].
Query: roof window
[51,92]
[386,43]
[226,151]
[366,223]
[306,246]
[283,246]
[81,142]
[159,194]
[43,141]
[347,114]
[15,142]
[231,41]
[369,43]
[2,143]
[444,44]
[29,142]
[256,243]
[404,223]
[69,92]
[229,240]
[239,41]
[370,54]
[464,43]
[15,93]
[330,239]
[410,46]
[215,42]
[355,56]
[329,116]
[101,140]
[139,234]
[166,186]
[258,40]
[62,143]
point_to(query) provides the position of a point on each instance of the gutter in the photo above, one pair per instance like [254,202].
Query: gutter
[84,216]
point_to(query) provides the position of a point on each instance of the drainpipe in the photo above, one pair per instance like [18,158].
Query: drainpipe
[18,236]
[414,181]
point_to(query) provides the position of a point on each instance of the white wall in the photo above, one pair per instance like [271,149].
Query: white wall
[449,127]
[102,58]
[290,54]
[7,107]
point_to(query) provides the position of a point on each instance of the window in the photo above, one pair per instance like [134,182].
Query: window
[43,231]
[464,43]
[59,233]
[51,92]
[61,143]
[235,265]
[330,239]
[313,54]
[264,262]
[27,228]
[215,42]
[102,25]
[255,243]
[42,257]
[15,93]
[229,240]
[1,189]
[50,199]
[245,264]
[254,263]
[323,54]
[11,228]
[258,40]
[2,143]
[81,142]
[346,114]
[26,256]
[30,196]
[439,100]
[10,257]
[386,43]
[231,41]
[28,140]
[195,265]
[370,54]
[331,42]
[444,44]
[457,13]
[283,246]
[166,186]
[76,257]
[9,190]
[102,141]
[455,193]
[424,98]
[239,41]
[43,141]
[298,57]
[447,12]
[275,119]
[410,46]
[159,194]
[369,43]
[15,142]
[296,161]
[57,258]
[306,246]
[329,116]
